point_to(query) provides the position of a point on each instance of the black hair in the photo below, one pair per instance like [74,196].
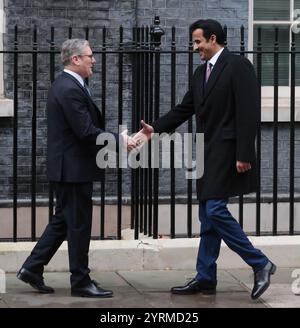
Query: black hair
[210,27]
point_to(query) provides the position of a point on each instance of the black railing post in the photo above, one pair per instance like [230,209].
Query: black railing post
[141,102]
[241,210]
[52,70]
[172,158]
[242,46]
[292,136]
[103,109]
[151,108]
[120,122]
[137,124]
[87,33]
[241,197]
[275,133]
[70,32]
[146,117]
[225,34]
[258,140]
[33,135]
[133,128]
[190,130]
[15,139]
[157,33]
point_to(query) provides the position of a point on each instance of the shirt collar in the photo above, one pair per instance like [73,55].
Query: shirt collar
[77,76]
[215,57]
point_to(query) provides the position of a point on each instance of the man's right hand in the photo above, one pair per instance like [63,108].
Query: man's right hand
[144,134]
[128,142]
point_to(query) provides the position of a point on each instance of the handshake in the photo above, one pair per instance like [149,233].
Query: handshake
[139,139]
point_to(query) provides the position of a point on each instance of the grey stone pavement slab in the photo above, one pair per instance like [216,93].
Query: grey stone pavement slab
[280,293]
[150,289]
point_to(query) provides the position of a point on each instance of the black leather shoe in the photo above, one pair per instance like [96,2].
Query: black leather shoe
[34,280]
[91,290]
[262,280]
[195,286]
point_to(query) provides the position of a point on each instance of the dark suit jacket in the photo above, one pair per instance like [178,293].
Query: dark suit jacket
[74,122]
[226,112]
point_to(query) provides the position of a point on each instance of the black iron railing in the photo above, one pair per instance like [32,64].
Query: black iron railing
[145,53]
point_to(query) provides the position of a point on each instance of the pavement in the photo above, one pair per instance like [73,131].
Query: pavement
[150,289]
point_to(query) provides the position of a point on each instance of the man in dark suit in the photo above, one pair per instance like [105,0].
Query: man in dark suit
[224,98]
[74,122]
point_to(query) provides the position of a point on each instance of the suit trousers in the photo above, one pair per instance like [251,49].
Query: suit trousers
[216,224]
[72,221]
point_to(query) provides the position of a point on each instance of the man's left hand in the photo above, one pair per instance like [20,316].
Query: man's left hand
[242,166]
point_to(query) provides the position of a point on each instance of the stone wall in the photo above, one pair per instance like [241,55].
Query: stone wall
[79,14]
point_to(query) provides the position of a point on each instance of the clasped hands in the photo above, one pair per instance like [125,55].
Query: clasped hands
[139,139]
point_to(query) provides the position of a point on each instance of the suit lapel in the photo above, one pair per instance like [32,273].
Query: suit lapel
[215,73]
[84,90]
[199,84]
[202,81]
[91,99]
[69,76]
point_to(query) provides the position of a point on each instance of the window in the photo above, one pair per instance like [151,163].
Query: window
[6,105]
[268,15]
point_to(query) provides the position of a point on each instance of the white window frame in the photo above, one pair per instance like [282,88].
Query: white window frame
[267,92]
[6,105]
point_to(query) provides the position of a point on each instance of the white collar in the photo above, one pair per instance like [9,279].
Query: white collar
[215,57]
[77,76]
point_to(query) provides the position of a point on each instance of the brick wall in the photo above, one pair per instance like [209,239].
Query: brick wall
[61,14]
[81,13]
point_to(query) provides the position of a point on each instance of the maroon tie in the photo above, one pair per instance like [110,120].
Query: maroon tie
[208,71]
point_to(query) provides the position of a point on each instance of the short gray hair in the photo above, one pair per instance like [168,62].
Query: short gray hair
[72,47]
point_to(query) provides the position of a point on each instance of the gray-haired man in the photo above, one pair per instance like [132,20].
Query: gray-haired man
[74,122]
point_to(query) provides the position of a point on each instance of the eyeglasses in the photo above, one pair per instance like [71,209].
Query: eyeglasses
[91,56]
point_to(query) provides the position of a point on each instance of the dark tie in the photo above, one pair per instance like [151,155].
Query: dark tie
[209,67]
[89,92]
[87,89]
